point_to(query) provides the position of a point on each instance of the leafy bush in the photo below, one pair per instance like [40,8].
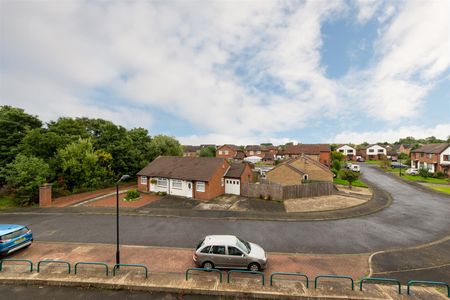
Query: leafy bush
[439,175]
[336,165]
[424,172]
[132,195]
[350,176]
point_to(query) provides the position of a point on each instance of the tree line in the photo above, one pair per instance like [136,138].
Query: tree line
[75,154]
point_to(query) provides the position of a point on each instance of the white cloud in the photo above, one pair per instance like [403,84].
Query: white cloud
[366,9]
[440,131]
[413,51]
[220,139]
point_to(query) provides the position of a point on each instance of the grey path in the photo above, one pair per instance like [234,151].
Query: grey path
[415,217]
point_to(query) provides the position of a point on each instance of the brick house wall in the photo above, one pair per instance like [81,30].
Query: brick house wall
[325,158]
[284,175]
[247,175]
[314,171]
[143,187]
[216,185]
[220,152]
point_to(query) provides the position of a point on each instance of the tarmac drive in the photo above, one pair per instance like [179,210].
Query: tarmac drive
[415,217]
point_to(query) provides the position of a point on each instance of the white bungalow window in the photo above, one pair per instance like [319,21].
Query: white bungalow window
[162,182]
[143,179]
[220,152]
[226,152]
[200,186]
[177,184]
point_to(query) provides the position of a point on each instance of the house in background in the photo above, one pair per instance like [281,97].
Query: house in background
[434,157]
[227,151]
[191,151]
[375,152]
[237,174]
[348,151]
[403,148]
[319,152]
[192,177]
[298,170]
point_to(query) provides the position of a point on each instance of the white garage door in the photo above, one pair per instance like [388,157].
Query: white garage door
[233,186]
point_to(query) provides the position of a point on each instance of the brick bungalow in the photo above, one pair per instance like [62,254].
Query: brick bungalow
[434,157]
[296,171]
[192,177]
[319,152]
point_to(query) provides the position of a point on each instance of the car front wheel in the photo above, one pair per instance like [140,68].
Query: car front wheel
[208,265]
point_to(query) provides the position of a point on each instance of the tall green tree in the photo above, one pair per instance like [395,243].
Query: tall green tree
[165,145]
[42,143]
[14,125]
[81,166]
[209,151]
[24,175]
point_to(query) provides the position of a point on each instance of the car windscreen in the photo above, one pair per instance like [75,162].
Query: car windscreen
[243,245]
[14,234]
[200,243]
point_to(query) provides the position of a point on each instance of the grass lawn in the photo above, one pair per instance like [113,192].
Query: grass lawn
[372,162]
[6,203]
[357,183]
[444,189]
[428,180]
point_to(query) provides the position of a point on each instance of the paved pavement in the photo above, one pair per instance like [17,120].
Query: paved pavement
[36,292]
[414,218]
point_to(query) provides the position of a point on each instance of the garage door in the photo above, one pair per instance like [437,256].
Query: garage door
[232,186]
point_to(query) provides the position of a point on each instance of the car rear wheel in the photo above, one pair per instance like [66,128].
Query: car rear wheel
[208,265]
[254,267]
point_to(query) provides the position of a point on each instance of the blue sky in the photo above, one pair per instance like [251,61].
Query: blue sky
[234,72]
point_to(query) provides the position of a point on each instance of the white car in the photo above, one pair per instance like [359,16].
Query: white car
[412,171]
[355,168]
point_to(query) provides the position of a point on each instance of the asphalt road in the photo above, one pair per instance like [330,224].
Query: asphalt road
[415,217]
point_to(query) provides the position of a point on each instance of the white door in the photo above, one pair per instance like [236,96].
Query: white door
[232,186]
[189,189]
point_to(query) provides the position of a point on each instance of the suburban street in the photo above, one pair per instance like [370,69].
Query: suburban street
[415,217]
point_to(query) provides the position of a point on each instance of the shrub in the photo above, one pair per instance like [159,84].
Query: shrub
[439,175]
[336,165]
[424,172]
[132,195]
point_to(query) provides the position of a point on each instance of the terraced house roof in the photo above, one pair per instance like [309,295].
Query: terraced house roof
[432,148]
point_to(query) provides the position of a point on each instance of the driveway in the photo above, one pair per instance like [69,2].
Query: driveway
[415,217]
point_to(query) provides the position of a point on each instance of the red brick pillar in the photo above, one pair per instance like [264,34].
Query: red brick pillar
[45,195]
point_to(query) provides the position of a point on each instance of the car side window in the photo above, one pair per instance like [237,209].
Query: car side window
[206,249]
[218,250]
[234,251]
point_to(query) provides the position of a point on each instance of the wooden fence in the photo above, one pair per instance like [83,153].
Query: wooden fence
[281,192]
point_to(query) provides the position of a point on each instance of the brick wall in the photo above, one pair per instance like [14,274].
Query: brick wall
[214,187]
[143,187]
[284,175]
[231,152]
[314,171]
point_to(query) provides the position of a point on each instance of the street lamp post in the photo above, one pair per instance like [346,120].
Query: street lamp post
[117,216]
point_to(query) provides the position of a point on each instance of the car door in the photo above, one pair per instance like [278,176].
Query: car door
[218,256]
[236,258]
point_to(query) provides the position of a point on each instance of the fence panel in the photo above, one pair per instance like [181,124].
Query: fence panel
[272,191]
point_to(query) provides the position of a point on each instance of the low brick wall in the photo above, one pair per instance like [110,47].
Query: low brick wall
[279,192]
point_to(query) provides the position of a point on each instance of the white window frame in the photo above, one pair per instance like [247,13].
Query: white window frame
[220,152]
[223,181]
[371,150]
[200,186]
[144,180]
[225,152]
[177,184]
[159,182]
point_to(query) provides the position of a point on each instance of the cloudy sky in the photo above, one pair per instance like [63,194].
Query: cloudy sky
[234,71]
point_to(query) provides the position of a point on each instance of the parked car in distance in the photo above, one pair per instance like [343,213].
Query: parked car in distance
[398,165]
[360,159]
[348,165]
[229,251]
[14,237]
[355,168]
[412,171]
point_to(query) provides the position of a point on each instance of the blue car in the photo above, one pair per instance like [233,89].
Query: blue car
[14,237]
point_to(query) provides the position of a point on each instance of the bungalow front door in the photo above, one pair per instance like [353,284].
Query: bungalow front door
[189,189]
